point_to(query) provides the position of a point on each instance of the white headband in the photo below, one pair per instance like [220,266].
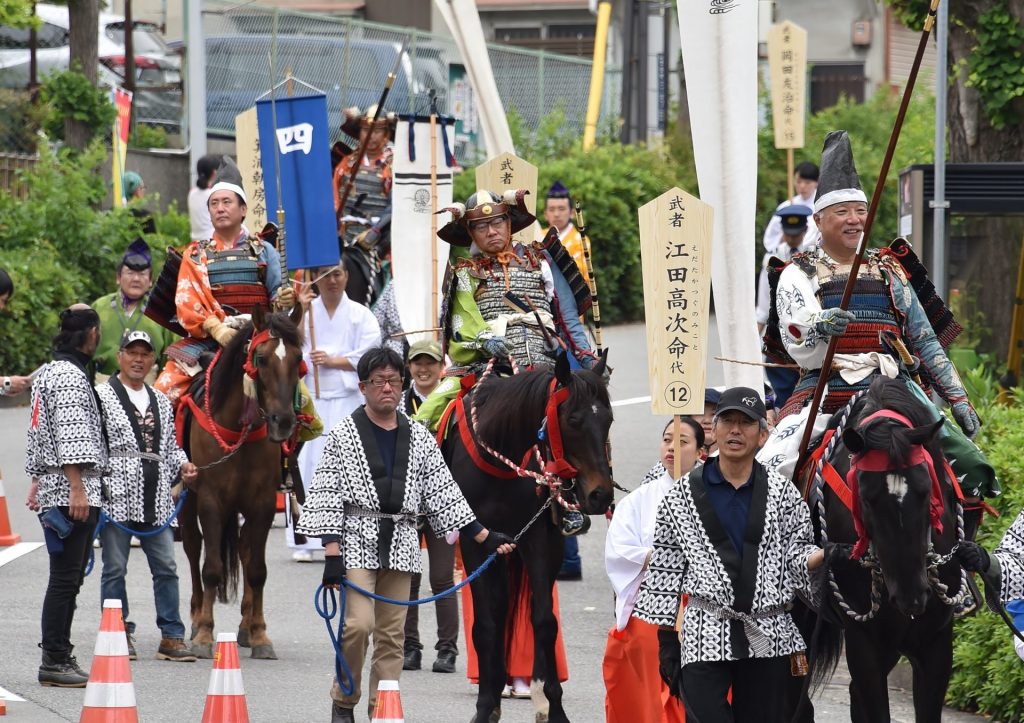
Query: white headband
[831,198]
[225,186]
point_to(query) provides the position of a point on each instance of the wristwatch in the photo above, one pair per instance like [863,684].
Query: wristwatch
[7,386]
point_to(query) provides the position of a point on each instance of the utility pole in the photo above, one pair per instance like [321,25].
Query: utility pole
[195,86]
[940,205]
[628,58]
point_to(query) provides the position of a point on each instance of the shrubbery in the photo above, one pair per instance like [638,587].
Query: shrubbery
[987,674]
[60,248]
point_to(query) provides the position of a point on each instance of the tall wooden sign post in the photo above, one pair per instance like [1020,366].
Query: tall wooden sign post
[675,250]
[247,144]
[787,63]
[507,171]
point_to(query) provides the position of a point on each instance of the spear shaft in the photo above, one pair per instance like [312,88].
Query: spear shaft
[876,197]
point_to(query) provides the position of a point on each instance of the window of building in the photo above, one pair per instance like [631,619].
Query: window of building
[832,81]
[515,36]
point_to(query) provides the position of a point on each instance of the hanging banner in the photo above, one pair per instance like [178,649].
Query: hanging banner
[463,105]
[418,257]
[303,159]
[122,124]
[719,43]
[787,62]
[247,149]
[508,171]
[675,253]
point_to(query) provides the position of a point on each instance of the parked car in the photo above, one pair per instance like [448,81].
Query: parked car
[238,73]
[157,67]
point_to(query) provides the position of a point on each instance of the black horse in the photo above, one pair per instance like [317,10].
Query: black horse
[898,601]
[512,413]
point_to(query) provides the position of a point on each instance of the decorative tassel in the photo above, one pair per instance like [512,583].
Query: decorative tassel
[251,404]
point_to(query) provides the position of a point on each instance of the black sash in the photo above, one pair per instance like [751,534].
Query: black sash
[742,570]
[150,467]
[390,490]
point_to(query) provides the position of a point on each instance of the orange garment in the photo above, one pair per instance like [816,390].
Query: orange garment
[344,168]
[519,655]
[573,243]
[635,692]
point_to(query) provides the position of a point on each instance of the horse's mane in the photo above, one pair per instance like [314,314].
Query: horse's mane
[228,369]
[499,397]
[897,439]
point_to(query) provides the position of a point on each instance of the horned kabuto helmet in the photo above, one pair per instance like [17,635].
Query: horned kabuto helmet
[482,205]
[355,120]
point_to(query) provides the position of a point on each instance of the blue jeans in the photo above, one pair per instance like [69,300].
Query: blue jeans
[159,551]
[571,562]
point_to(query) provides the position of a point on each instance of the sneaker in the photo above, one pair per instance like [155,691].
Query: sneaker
[302,556]
[506,692]
[132,654]
[568,574]
[176,650]
[520,688]
[413,659]
[445,662]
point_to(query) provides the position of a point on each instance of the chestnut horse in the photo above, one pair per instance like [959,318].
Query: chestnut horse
[235,438]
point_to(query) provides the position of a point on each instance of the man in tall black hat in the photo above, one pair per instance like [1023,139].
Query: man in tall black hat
[123,311]
[807,302]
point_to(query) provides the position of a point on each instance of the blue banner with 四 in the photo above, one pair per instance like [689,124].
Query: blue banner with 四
[303,159]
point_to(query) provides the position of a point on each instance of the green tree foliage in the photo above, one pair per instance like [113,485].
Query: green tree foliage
[69,95]
[60,248]
[987,674]
[17,13]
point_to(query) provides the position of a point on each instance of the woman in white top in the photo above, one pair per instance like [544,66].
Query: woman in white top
[198,211]
[635,691]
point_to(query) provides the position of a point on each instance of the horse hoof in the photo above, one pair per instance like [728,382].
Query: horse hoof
[243,638]
[540,717]
[203,650]
[264,652]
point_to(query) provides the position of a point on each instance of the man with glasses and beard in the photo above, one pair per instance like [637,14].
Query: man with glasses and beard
[378,471]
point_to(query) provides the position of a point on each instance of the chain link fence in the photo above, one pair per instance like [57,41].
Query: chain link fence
[348,59]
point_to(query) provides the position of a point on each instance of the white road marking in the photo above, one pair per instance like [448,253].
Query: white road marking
[631,400]
[9,554]
[10,697]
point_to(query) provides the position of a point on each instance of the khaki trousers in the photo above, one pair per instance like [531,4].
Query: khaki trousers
[364,616]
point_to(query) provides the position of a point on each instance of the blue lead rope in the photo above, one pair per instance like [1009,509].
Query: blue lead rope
[327,606]
[105,519]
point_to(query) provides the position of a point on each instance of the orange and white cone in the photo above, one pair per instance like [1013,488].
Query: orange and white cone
[7,536]
[388,708]
[225,698]
[110,693]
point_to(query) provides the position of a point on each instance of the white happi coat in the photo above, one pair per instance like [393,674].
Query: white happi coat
[1010,558]
[344,477]
[630,540]
[65,429]
[693,555]
[125,499]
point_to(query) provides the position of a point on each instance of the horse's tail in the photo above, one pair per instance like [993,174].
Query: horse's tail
[227,590]
[824,650]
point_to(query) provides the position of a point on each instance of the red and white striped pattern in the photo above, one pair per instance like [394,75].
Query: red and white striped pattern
[110,693]
[388,708]
[225,696]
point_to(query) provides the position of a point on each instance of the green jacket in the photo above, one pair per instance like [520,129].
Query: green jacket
[113,324]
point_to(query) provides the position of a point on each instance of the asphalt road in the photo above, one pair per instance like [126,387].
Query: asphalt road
[294,689]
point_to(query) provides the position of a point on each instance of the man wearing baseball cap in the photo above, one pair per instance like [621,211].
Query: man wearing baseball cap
[145,463]
[736,538]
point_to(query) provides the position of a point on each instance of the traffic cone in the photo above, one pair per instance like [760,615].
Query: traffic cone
[7,536]
[110,693]
[388,707]
[225,698]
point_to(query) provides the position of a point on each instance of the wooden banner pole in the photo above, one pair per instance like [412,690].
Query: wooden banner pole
[677,446]
[434,305]
[312,340]
[790,183]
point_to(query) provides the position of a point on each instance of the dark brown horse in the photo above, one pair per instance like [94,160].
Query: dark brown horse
[512,414]
[239,456]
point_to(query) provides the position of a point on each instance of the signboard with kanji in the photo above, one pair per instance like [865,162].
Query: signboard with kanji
[505,172]
[675,251]
[787,61]
[247,146]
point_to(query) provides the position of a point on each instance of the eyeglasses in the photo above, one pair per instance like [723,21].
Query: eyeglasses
[484,224]
[378,383]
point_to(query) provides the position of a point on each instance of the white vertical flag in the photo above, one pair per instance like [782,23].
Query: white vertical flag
[719,43]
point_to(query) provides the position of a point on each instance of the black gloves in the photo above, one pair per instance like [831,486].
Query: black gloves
[670,660]
[496,539]
[837,553]
[334,570]
[973,557]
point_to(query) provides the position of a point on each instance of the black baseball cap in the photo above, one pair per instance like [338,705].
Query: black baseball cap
[742,399]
